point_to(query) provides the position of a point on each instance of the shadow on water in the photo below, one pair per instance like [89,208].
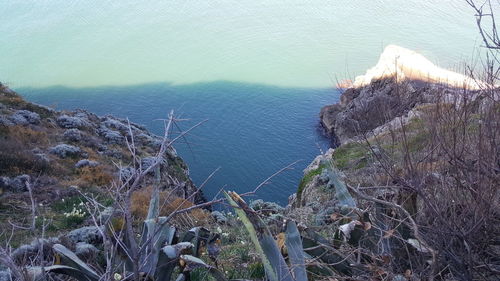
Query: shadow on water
[252,131]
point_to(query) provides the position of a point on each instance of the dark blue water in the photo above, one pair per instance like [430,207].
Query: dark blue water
[252,130]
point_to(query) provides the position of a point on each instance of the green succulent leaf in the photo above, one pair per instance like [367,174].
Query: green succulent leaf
[175,251]
[67,270]
[73,261]
[194,262]
[272,260]
[158,232]
[295,251]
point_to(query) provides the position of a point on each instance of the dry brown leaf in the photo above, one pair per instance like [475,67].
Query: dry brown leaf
[335,216]
[388,233]
[367,225]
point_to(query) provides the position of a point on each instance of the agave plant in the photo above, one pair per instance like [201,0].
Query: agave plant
[298,247]
[159,253]
[274,263]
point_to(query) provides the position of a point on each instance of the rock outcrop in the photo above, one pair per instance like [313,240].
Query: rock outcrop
[59,152]
[406,64]
[401,80]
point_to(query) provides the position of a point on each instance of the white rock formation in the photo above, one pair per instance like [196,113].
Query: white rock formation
[404,64]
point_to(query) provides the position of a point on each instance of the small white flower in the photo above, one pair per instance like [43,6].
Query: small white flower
[117,276]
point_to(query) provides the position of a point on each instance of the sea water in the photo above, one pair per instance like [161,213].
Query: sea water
[258,70]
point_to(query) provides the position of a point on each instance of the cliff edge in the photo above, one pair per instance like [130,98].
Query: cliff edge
[401,80]
[53,157]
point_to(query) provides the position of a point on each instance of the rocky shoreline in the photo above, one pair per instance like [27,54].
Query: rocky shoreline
[406,138]
[401,81]
[409,172]
[54,155]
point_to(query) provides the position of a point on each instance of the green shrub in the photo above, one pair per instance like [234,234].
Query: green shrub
[345,155]
[257,270]
[307,179]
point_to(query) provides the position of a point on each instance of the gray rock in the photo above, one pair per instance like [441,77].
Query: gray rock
[85,250]
[4,182]
[87,234]
[219,217]
[65,150]
[70,122]
[156,144]
[111,136]
[72,135]
[144,138]
[5,121]
[105,214]
[147,162]
[25,117]
[28,251]
[275,218]
[84,115]
[113,153]
[126,172]
[42,157]
[86,163]
[115,124]
[5,276]
[5,89]
[18,184]
[266,208]
[46,108]
[362,110]
[17,119]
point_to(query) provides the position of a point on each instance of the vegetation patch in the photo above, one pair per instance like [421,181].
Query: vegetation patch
[94,176]
[169,203]
[351,155]
[307,179]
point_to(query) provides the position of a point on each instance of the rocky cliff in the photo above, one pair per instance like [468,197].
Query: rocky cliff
[55,155]
[418,144]
[401,81]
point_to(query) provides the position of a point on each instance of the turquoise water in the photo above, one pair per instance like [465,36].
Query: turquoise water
[297,43]
[274,64]
[253,130]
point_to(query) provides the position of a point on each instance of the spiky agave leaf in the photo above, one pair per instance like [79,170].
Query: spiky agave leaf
[158,232]
[295,251]
[154,206]
[67,270]
[166,265]
[70,259]
[37,273]
[197,236]
[274,263]
[341,192]
[194,262]
[175,251]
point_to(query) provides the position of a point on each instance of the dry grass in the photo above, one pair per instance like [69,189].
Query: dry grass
[169,204]
[16,156]
[94,176]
